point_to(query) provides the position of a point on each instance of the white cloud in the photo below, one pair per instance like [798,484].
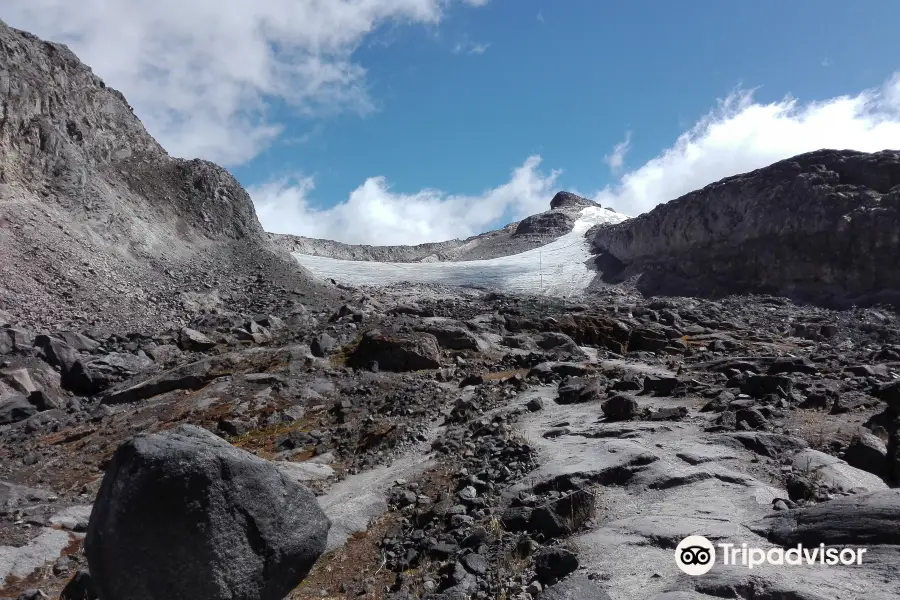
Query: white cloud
[739,136]
[468,47]
[742,135]
[616,160]
[374,214]
[200,73]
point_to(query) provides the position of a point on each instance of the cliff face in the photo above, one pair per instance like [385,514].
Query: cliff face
[95,216]
[822,226]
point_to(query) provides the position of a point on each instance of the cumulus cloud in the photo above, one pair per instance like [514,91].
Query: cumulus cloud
[616,159]
[375,214]
[738,136]
[742,134]
[201,73]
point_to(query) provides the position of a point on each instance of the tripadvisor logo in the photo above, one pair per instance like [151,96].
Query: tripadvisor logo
[696,555]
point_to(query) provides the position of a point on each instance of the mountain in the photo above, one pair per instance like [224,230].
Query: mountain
[520,236]
[98,224]
[822,227]
[429,441]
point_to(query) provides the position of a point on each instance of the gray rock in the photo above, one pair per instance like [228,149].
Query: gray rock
[869,453]
[451,337]
[78,341]
[91,156]
[89,376]
[552,222]
[772,445]
[14,408]
[185,515]
[80,587]
[660,386]
[783,228]
[576,390]
[620,407]
[191,339]
[865,519]
[835,473]
[577,587]
[568,199]
[552,564]
[563,516]
[410,352]
[322,345]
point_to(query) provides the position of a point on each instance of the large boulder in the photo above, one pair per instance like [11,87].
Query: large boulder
[15,407]
[91,375]
[401,352]
[184,515]
[451,336]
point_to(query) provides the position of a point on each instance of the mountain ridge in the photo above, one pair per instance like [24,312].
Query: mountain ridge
[98,223]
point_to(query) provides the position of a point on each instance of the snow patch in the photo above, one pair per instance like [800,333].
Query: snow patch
[556,269]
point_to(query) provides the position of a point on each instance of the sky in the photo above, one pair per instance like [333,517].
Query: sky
[411,121]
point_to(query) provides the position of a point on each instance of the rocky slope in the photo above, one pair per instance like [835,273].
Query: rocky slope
[459,443]
[467,444]
[821,226]
[98,225]
[529,233]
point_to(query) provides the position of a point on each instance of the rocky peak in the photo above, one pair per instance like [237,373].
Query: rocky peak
[567,199]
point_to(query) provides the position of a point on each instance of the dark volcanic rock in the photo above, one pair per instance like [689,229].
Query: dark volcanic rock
[854,520]
[620,407]
[409,352]
[451,337]
[820,225]
[869,453]
[565,199]
[552,564]
[552,222]
[80,587]
[575,390]
[15,408]
[563,516]
[191,339]
[767,444]
[185,515]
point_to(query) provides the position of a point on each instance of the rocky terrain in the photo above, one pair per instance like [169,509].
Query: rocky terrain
[820,226]
[186,413]
[527,234]
[477,445]
[98,224]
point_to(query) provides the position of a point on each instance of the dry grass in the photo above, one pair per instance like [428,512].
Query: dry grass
[343,572]
[503,375]
[264,440]
[342,356]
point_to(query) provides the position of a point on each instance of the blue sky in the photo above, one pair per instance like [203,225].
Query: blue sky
[405,121]
[567,80]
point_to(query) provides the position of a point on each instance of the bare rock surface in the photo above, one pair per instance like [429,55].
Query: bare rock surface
[98,223]
[160,352]
[184,514]
[818,226]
